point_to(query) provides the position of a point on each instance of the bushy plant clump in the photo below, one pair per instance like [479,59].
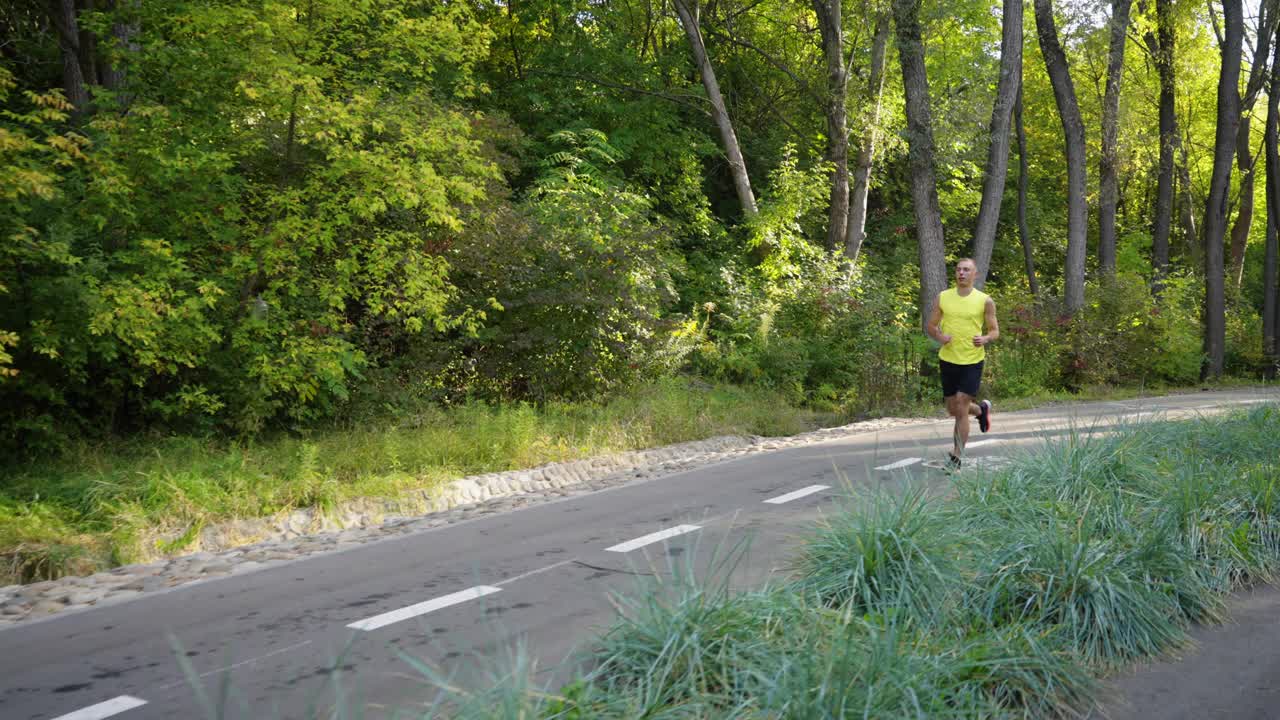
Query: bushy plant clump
[1004,599]
[834,339]
[1126,334]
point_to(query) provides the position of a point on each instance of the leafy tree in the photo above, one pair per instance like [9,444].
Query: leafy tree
[1215,213]
[924,191]
[1064,94]
[278,182]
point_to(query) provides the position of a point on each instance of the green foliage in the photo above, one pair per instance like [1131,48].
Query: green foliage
[280,211]
[1124,335]
[1175,319]
[691,647]
[215,255]
[579,276]
[832,336]
[1028,356]
[790,214]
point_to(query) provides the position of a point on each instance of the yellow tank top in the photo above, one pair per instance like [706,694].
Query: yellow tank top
[962,318]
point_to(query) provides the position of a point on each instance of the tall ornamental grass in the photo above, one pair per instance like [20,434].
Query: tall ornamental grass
[1005,598]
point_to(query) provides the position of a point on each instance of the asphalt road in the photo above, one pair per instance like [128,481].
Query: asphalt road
[1229,671]
[298,640]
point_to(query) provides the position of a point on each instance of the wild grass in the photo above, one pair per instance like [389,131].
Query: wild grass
[1006,598]
[90,508]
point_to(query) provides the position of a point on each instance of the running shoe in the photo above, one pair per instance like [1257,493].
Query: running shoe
[984,417]
[953,462]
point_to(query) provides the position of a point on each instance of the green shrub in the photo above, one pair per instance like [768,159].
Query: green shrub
[579,277]
[833,338]
[1110,334]
[895,552]
[1177,354]
[1124,335]
[699,647]
[1079,580]
[1027,358]
[173,267]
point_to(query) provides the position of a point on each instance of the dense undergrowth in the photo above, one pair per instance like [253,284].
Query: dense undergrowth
[1006,598]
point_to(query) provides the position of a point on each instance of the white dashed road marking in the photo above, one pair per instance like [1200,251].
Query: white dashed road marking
[652,538]
[422,608]
[900,464]
[802,492]
[105,709]
[979,444]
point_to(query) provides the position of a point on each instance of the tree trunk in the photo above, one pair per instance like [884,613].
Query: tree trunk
[1161,46]
[88,48]
[1215,212]
[63,13]
[1244,141]
[857,230]
[1007,90]
[1270,299]
[919,136]
[115,73]
[1190,233]
[1244,214]
[1108,192]
[1024,233]
[737,167]
[829,25]
[1064,94]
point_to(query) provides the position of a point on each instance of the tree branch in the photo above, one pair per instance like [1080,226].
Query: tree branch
[771,106]
[1213,20]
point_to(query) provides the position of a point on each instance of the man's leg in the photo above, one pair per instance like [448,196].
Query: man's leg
[974,408]
[961,407]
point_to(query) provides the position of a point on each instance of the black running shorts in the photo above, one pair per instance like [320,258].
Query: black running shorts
[960,378]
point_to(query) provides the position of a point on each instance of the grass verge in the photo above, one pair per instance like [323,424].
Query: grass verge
[1006,598]
[90,508]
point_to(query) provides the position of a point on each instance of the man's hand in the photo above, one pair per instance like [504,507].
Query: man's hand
[944,339]
[980,340]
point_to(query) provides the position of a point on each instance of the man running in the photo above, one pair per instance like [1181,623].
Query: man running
[957,321]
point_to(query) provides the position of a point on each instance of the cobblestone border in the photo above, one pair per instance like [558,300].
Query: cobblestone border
[241,546]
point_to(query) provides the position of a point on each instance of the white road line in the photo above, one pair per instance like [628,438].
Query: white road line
[105,709]
[980,443]
[422,608]
[900,464]
[651,538]
[539,571]
[796,495]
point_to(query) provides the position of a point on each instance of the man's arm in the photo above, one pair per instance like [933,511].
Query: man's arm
[993,326]
[935,319]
